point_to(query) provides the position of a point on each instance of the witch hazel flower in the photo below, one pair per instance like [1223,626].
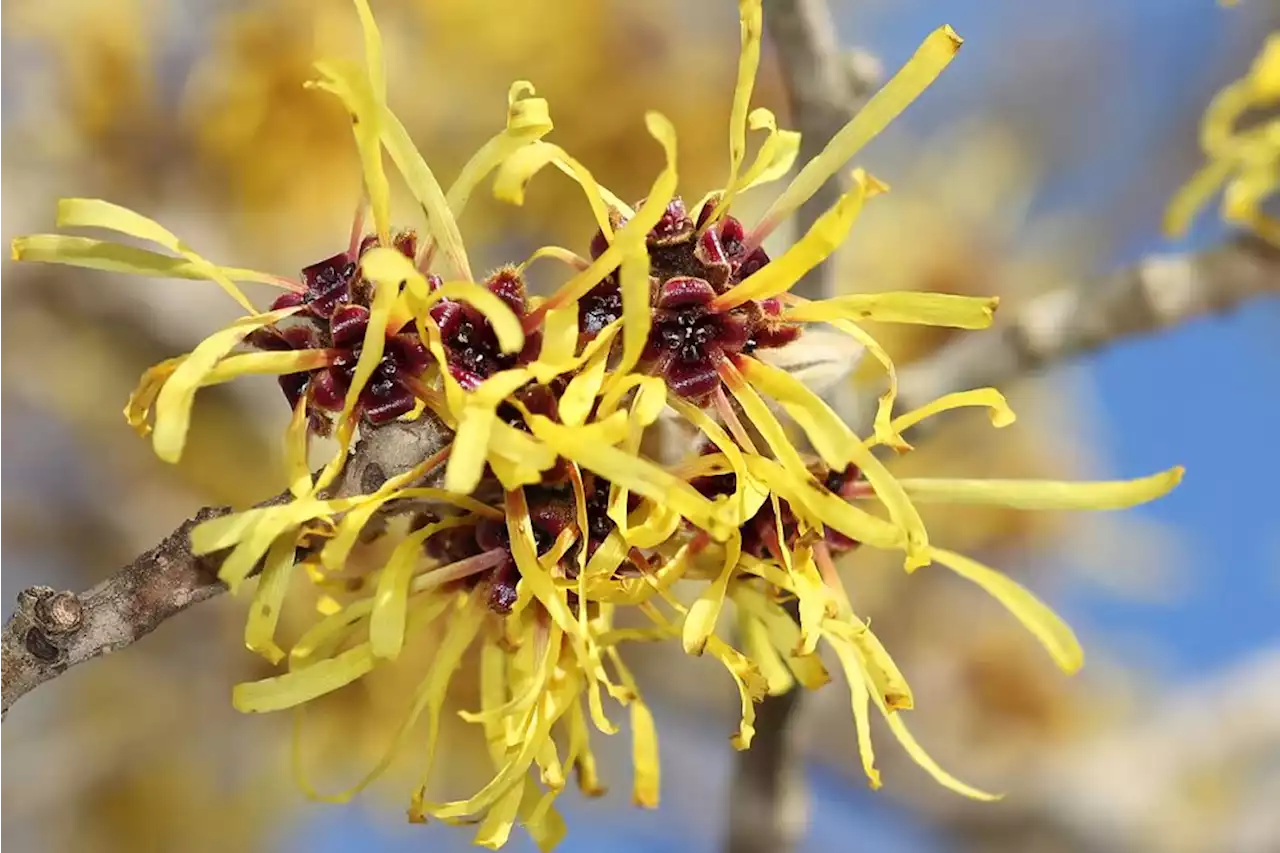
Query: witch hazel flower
[545,517]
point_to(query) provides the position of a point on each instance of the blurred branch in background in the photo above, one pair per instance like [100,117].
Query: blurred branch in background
[1156,294]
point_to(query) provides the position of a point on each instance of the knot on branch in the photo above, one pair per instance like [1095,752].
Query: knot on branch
[51,619]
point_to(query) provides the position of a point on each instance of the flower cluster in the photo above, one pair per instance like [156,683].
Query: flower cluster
[544,516]
[1243,154]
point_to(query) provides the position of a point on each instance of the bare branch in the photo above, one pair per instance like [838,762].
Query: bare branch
[1159,293]
[51,632]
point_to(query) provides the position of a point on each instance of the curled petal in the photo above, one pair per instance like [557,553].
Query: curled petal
[1048,628]
[751,688]
[1000,413]
[138,409]
[528,120]
[520,167]
[174,401]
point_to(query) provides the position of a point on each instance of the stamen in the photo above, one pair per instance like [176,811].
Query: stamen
[441,575]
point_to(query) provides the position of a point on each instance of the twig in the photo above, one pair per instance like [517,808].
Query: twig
[1160,292]
[51,632]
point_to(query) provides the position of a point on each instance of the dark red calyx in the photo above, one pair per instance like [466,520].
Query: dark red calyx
[508,285]
[674,227]
[406,241]
[347,326]
[600,306]
[471,345]
[328,284]
[504,587]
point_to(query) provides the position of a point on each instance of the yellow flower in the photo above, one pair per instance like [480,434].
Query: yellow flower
[1244,157]
[549,516]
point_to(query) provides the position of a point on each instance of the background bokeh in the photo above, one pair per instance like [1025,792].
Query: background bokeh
[1044,156]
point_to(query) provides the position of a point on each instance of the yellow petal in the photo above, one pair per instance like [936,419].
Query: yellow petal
[173,404]
[644,742]
[815,600]
[806,498]
[520,167]
[442,228]
[777,153]
[636,311]
[1048,628]
[95,213]
[761,651]
[751,688]
[701,621]
[784,633]
[749,494]
[385,294]
[429,694]
[922,758]
[138,409]
[900,731]
[860,699]
[365,106]
[388,619]
[579,746]
[822,238]
[267,364]
[517,766]
[374,59]
[581,392]
[1192,196]
[559,342]
[389,265]
[751,21]
[517,458]
[638,475]
[882,674]
[883,426]
[475,426]
[532,574]
[299,686]
[933,55]
[1001,415]
[116,257]
[528,120]
[639,225]
[495,828]
[296,445]
[1045,494]
[264,611]
[838,447]
[926,309]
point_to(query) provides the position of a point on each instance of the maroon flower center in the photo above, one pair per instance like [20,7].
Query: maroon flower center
[689,339]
